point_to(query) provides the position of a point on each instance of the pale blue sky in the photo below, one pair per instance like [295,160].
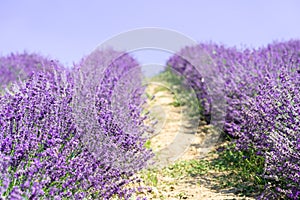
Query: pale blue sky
[67,30]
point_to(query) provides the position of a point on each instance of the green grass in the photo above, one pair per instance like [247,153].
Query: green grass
[238,170]
[244,169]
[147,144]
[160,89]
[168,77]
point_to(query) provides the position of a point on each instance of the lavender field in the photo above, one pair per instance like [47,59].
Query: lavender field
[79,133]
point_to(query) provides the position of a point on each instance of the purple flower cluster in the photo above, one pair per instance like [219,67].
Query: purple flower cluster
[261,92]
[15,67]
[64,136]
[207,68]
[118,98]
[271,125]
[35,126]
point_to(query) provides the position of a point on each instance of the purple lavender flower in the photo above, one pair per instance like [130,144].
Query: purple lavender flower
[21,66]
[261,89]
[56,151]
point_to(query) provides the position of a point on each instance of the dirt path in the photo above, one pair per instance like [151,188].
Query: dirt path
[174,131]
[176,134]
[173,140]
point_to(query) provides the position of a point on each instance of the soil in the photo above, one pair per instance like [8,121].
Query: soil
[172,141]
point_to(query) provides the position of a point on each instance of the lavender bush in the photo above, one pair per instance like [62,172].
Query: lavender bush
[116,90]
[5,162]
[261,113]
[214,70]
[270,125]
[35,125]
[205,67]
[20,66]
[249,74]
[55,152]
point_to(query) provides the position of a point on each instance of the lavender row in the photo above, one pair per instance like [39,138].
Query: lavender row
[63,136]
[20,66]
[260,88]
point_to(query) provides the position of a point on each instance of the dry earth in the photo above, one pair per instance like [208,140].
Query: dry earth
[197,146]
